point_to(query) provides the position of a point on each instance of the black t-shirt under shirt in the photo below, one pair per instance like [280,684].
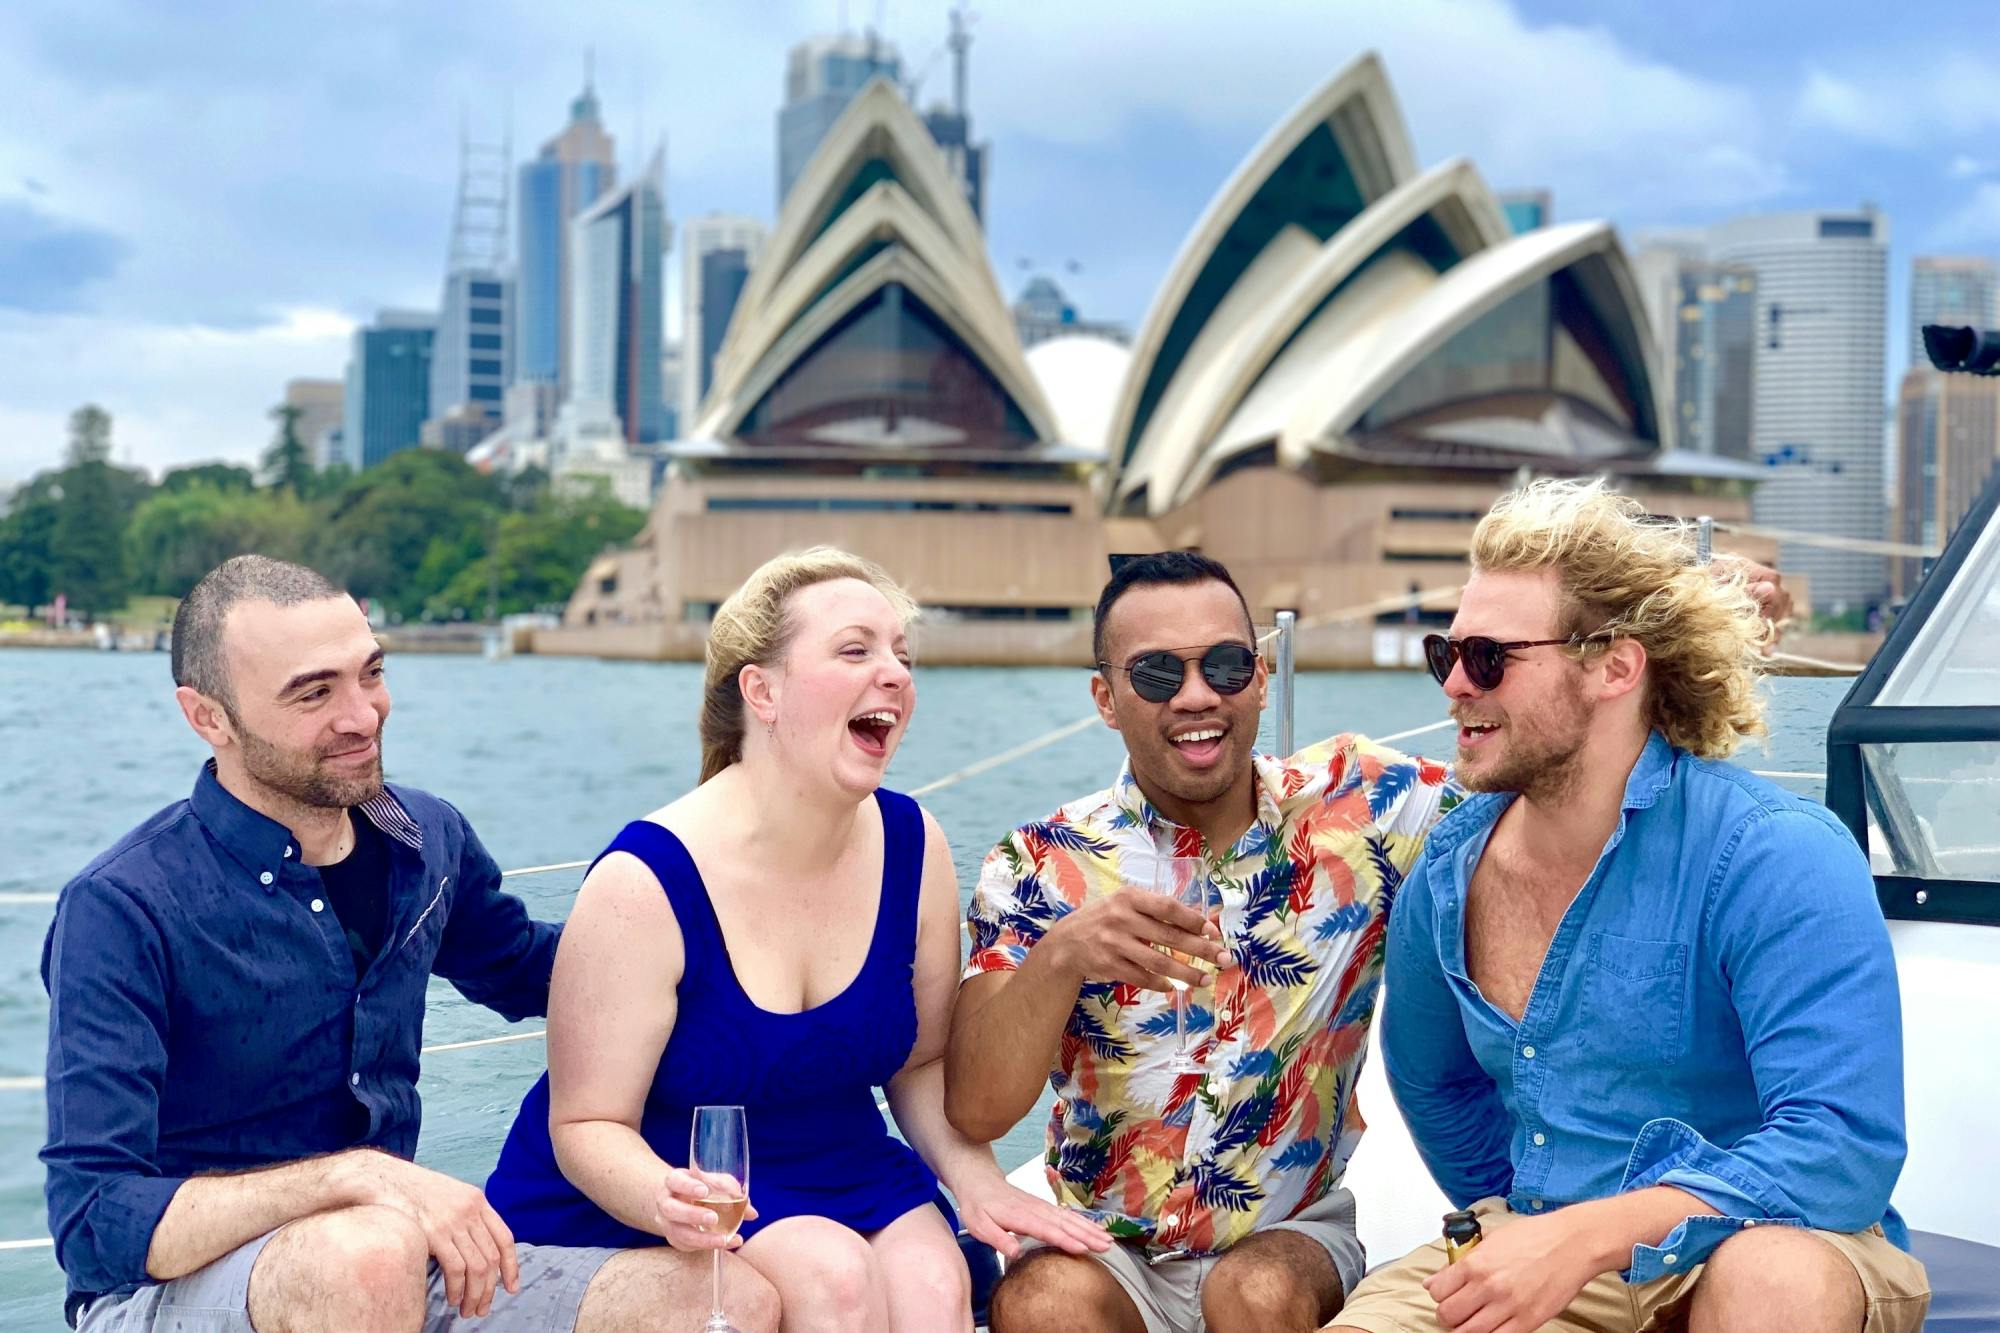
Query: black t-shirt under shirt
[357,889]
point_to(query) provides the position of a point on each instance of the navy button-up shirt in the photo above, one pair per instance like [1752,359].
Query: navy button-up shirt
[1718,1012]
[204,1017]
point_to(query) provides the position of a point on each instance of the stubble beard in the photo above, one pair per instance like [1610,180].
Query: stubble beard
[305,779]
[1543,754]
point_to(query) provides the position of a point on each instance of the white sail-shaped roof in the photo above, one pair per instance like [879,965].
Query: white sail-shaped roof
[875,209]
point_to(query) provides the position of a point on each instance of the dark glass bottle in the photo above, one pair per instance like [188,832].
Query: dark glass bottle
[1461,1233]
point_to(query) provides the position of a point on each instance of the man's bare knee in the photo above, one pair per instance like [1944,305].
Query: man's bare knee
[1052,1292]
[1778,1278]
[363,1270]
[1278,1281]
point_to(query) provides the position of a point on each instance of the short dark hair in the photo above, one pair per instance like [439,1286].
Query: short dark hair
[1162,567]
[198,621]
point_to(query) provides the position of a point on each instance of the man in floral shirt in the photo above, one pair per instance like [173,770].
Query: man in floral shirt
[1223,1186]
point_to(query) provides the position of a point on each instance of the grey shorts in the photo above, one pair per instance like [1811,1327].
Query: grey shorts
[216,1298]
[1167,1288]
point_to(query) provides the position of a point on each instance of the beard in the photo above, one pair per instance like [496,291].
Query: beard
[303,776]
[1541,748]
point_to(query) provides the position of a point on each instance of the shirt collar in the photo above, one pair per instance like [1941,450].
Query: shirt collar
[1652,774]
[1269,786]
[261,845]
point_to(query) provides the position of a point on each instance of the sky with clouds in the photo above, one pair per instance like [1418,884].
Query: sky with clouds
[198,200]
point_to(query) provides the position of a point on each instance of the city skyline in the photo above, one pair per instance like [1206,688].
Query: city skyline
[185,310]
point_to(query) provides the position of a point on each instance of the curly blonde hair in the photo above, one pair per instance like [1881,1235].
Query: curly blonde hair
[755,626]
[1623,575]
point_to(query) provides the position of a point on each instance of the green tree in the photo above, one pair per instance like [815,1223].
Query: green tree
[27,576]
[87,543]
[217,476]
[401,530]
[177,536]
[89,436]
[287,464]
[539,555]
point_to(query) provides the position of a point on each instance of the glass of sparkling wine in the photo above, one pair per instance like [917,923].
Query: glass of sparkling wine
[1186,880]
[719,1152]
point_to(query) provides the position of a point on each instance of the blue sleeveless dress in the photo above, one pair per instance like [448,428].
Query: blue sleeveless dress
[818,1144]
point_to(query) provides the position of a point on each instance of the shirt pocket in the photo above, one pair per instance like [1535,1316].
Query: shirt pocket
[1635,1000]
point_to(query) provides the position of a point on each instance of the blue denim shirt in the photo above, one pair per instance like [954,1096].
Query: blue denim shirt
[204,1014]
[1717,1012]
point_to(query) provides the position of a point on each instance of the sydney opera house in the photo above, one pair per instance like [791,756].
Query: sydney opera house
[1345,363]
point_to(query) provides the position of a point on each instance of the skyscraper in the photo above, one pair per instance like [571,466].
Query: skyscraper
[1821,331]
[822,75]
[705,314]
[319,403]
[1715,336]
[1948,443]
[388,386]
[617,251]
[1950,290]
[469,356]
[1525,210]
[573,170]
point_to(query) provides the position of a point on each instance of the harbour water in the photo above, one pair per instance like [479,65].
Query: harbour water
[548,757]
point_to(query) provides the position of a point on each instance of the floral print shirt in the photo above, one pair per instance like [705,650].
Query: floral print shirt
[1195,1162]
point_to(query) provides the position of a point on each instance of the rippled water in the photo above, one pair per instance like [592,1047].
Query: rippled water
[547,757]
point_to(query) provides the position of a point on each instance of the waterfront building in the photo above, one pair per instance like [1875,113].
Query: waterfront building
[728,244]
[1344,365]
[1947,445]
[1951,290]
[823,75]
[1526,210]
[388,386]
[1044,312]
[320,403]
[571,172]
[617,249]
[1714,358]
[1817,419]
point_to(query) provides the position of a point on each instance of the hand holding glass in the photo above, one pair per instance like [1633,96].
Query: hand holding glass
[719,1152]
[1186,880]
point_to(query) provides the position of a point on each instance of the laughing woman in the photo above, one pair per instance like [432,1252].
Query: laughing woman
[785,938]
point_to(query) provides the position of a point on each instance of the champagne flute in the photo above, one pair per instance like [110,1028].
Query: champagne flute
[1186,880]
[719,1152]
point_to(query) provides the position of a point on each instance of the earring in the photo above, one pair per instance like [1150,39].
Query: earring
[771,730]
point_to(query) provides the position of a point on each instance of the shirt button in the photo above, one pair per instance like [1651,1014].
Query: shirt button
[1527,1052]
[1749,1221]
[1541,1139]
[354,1080]
[288,851]
[1217,1086]
[1223,1015]
[318,905]
[1170,1221]
[264,878]
[1535,1204]
[1670,1259]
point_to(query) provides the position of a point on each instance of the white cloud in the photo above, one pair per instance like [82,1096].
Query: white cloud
[1966,167]
[1974,222]
[176,393]
[1912,100]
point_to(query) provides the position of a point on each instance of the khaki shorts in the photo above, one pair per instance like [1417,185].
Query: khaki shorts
[1392,1299]
[216,1297]
[1166,1288]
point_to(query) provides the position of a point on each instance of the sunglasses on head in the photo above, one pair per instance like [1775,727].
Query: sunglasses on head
[1485,659]
[1158,676]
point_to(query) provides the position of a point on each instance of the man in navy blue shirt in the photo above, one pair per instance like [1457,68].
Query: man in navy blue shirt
[1640,1010]
[236,1010]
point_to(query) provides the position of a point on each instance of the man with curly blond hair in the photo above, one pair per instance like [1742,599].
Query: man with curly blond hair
[1640,1008]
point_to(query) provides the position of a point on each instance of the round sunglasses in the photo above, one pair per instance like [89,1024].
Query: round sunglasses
[1158,676]
[1485,659]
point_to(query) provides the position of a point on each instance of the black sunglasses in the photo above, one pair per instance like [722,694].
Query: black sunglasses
[1485,659]
[1157,677]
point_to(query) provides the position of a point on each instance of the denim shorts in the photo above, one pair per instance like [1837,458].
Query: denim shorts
[216,1298]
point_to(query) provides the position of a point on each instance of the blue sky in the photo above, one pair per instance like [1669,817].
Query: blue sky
[197,200]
